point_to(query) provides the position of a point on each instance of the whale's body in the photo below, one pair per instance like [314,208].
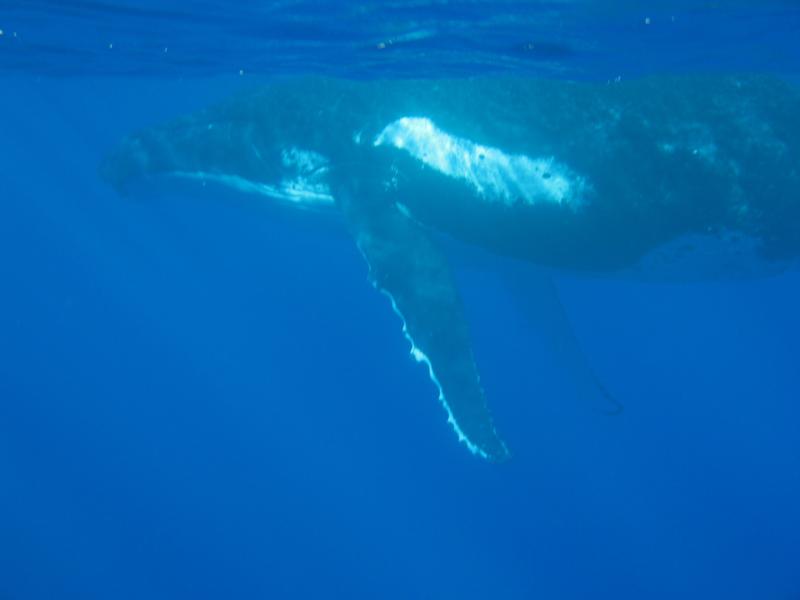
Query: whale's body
[675,177]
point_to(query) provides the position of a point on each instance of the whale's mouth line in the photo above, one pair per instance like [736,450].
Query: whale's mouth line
[297,191]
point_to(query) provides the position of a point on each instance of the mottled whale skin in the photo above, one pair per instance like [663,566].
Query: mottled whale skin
[607,178]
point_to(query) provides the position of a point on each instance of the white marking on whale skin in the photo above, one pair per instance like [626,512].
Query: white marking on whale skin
[492,173]
[694,138]
[404,210]
[306,162]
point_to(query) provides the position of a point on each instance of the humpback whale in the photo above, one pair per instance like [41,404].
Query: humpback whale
[669,176]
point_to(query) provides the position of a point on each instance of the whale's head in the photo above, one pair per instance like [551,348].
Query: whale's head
[221,147]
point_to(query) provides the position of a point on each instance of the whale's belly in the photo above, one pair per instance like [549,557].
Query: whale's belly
[695,257]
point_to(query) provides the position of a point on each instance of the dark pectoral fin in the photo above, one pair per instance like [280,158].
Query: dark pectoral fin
[538,297]
[407,266]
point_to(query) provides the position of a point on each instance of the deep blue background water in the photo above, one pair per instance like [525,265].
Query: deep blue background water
[202,399]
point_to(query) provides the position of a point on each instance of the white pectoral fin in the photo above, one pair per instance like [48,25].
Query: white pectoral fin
[408,267]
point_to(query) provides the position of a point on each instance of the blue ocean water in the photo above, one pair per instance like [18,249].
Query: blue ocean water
[198,400]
